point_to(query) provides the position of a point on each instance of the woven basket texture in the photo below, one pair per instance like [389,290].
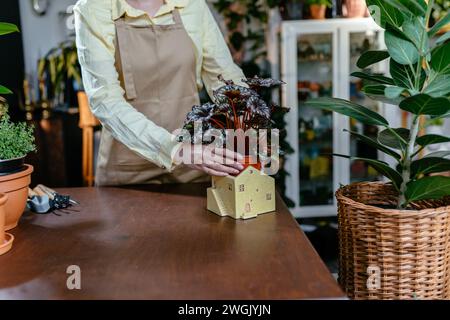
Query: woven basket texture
[388,253]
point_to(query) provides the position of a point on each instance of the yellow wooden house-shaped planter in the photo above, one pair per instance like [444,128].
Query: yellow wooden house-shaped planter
[242,197]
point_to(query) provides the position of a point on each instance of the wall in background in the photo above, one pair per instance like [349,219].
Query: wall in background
[41,33]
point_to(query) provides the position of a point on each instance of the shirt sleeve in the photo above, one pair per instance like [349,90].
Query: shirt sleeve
[95,33]
[217,59]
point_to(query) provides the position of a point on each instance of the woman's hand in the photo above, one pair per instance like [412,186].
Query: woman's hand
[209,159]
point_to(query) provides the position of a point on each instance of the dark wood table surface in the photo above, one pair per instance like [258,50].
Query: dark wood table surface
[160,242]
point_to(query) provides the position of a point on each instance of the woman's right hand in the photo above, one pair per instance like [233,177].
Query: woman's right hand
[209,159]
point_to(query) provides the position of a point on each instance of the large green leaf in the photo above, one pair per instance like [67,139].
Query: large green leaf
[425,104]
[428,188]
[4,90]
[393,92]
[374,89]
[415,30]
[373,78]
[429,139]
[377,92]
[402,51]
[372,143]
[439,25]
[440,59]
[411,7]
[417,7]
[385,14]
[404,75]
[429,165]
[439,85]
[394,138]
[438,154]
[443,38]
[6,28]
[380,166]
[369,58]
[350,109]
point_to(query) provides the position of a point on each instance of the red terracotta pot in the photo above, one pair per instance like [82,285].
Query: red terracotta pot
[15,186]
[6,239]
[248,162]
[317,11]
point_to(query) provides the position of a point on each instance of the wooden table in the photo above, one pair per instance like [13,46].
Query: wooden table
[159,242]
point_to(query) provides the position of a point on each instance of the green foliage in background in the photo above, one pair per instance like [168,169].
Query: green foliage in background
[60,66]
[255,15]
[419,83]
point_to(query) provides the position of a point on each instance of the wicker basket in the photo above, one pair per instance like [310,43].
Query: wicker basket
[388,253]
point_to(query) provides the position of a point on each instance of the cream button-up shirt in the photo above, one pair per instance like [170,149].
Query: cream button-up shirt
[95,38]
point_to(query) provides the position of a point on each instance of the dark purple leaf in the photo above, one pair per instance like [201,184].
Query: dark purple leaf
[227,82]
[257,82]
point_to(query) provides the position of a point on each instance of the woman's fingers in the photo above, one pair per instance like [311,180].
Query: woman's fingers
[224,157]
[223,168]
[228,154]
[213,172]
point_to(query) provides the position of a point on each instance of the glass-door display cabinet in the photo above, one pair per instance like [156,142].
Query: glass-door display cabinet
[317,58]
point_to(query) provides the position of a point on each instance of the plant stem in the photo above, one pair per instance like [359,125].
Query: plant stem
[406,165]
[220,124]
[415,125]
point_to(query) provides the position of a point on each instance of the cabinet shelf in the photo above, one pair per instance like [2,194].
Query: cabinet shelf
[315,134]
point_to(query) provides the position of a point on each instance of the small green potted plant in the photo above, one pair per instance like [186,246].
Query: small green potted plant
[394,236]
[16,141]
[318,8]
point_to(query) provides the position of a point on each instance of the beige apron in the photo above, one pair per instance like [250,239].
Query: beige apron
[156,66]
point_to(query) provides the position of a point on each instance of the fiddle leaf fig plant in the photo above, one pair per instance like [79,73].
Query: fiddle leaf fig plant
[419,84]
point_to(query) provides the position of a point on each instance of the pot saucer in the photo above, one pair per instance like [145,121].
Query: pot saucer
[5,247]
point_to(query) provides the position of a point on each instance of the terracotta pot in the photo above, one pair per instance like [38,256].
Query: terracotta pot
[6,239]
[15,185]
[355,8]
[317,11]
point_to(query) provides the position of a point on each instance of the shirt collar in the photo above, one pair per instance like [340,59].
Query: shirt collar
[122,7]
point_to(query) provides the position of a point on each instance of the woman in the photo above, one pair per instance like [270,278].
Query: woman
[143,62]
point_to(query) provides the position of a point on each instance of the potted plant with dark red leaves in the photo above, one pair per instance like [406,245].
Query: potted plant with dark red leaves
[16,141]
[240,120]
[394,237]
[240,109]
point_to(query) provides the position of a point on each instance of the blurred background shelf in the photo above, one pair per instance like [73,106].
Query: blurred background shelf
[316,60]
